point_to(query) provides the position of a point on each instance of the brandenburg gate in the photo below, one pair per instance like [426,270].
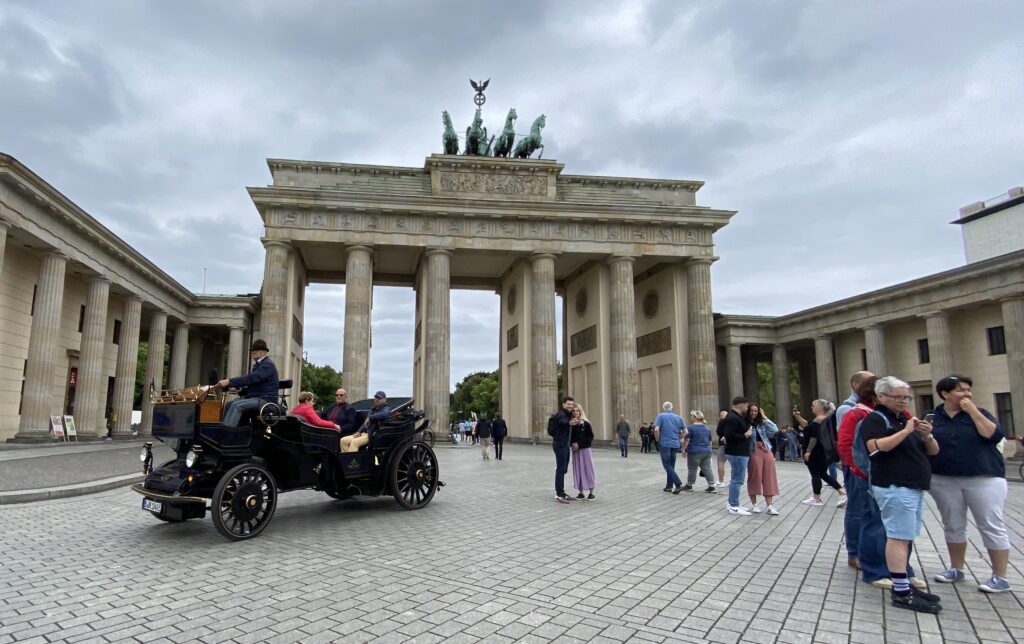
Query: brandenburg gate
[631,258]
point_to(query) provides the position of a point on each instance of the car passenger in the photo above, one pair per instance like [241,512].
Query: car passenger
[305,411]
[380,412]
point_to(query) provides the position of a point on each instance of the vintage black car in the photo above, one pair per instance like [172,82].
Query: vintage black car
[237,472]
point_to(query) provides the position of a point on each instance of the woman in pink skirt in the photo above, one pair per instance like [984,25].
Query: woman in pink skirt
[582,461]
[761,476]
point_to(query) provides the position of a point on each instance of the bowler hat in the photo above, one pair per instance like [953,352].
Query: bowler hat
[259,345]
[380,394]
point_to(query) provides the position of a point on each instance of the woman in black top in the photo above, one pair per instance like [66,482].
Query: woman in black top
[581,440]
[814,453]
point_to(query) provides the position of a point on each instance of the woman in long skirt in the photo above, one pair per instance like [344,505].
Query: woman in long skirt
[582,439]
[762,479]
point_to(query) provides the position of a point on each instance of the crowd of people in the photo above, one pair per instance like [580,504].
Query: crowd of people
[889,459]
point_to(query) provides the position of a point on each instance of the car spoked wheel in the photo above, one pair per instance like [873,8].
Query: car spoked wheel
[414,475]
[244,502]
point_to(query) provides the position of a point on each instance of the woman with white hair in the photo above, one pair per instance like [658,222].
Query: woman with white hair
[814,454]
[899,472]
[581,440]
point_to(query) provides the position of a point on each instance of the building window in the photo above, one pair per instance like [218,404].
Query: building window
[923,357]
[117,331]
[864,359]
[1004,413]
[996,341]
[927,403]
[81,318]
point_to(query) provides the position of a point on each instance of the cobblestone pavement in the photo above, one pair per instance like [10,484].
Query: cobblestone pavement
[40,467]
[493,558]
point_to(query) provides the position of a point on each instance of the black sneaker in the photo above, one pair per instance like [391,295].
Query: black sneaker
[679,488]
[667,489]
[590,497]
[580,495]
[915,602]
[687,487]
[925,595]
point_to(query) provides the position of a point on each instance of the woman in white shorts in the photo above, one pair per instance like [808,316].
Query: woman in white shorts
[969,473]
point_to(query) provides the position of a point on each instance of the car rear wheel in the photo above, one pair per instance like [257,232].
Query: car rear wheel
[244,502]
[414,475]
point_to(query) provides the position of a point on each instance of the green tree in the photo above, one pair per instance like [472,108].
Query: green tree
[766,388]
[321,381]
[478,392]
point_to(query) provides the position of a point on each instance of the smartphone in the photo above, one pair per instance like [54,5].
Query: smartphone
[929,417]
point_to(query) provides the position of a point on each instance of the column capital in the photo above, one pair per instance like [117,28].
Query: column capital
[438,251]
[182,325]
[366,247]
[1011,298]
[823,338]
[697,261]
[98,279]
[240,327]
[535,257]
[267,243]
[873,327]
[935,314]
[615,259]
[4,224]
[56,254]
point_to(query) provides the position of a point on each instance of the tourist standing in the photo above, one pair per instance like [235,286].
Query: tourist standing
[697,446]
[483,436]
[499,430]
[582,439]
[969,473]
[720,454]
[762,478]
[735,431]
[563,424]
[622,431]
[814,453]
[645,438]
[669,429]
[900,472]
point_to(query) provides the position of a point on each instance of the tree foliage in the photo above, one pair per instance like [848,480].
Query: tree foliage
[766,388]
[478,392]
[321,381]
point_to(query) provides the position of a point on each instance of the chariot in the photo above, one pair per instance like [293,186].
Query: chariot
[237,473]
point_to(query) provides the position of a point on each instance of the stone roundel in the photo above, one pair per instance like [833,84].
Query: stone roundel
[650,304]
[581,302]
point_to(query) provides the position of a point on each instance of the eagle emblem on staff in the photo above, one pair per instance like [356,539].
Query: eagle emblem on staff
[479,86]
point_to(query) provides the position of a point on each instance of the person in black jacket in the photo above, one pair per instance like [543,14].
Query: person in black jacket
[483,434]
[735,431]
[261,384]
[564,422]
[499,430]
[341,413]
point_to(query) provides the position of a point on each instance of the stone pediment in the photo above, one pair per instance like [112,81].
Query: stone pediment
[484,177]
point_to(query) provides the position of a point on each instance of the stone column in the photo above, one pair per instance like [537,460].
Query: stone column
[194,363]
[437,336]
[154,369]
[89,398]
[236,351]
[127,365]
[940,346]
[4,227]
[825,360]
[1013,332]
[543,358]
[701,334]
[874,343]
[751,386]
[179,357]
[277,275]
[734,368]
[780,382]
[358,299]
[38,400]
[622,332]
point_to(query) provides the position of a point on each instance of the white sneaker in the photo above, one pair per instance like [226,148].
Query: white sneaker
[756,509]
[735,509]
[720,484]
[814,503]
[772,511]
[811,501]
[842,501]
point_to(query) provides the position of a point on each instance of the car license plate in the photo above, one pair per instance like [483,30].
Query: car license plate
[151,505]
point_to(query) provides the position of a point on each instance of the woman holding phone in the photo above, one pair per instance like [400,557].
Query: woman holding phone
[969,473]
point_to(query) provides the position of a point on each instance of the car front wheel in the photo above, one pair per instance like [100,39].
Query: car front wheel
[244,502]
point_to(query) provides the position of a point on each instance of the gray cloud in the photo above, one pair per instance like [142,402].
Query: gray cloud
[828,127]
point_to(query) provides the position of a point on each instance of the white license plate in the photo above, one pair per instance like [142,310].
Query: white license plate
[151,505]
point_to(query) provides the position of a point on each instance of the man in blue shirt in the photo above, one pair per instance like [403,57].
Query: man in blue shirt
[260,384]
[669,429]
[380,412]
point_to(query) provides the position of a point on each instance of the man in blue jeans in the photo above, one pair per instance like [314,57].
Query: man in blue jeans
[622,431]
[564,422]
[669,430]
[736,431]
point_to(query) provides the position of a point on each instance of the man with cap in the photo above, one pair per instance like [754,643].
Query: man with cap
[260,384]
[380,412]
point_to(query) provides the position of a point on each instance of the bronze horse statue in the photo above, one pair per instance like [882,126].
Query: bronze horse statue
[532,142]
[508,135]
[476,136]
[449,139]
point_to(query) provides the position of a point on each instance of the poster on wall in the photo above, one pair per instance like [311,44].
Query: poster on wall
[56,427]
[69,427]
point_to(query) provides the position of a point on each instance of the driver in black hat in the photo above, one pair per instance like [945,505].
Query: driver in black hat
[260,384]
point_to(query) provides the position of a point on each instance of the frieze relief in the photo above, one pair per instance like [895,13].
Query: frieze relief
[498,184]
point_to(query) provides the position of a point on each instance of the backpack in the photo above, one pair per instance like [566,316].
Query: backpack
[552,425]
[861,455]
[828,436]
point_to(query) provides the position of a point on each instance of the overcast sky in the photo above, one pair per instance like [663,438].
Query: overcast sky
[846,135]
